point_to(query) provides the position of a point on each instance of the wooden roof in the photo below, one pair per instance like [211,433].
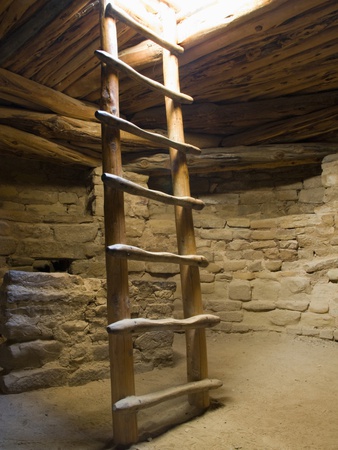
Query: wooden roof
[263,74]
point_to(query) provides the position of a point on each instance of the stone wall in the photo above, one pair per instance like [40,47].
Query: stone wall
[271,238]
[55,329]
[273,251]
[45,222]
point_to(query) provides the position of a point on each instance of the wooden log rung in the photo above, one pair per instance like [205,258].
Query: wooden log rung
[137,254]
[141,324]
[118,122]
[132,188]
[115,12]
[121,66]
[135,403]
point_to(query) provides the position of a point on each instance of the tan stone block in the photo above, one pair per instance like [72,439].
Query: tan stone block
[326,334]
[294,285]
[218,234]
[162,226]
[273,266]
[8,245]
[254,197]
[293,305]
[283,234]
[244,276]
[207,277]
[208,221]
[207,288]
[238,222]
[263,223]
[75,233]
[242,233]
[29,355]
[290,245]
[134,227]
[238,244]
[53,209]
[259,305]
[239,328]
[319,306]
[263,244]
[261,235]
[284,317]
[26,380]
[230,316]
[240,290]
[288,255]
[311,319]
[299,221]
[287,195]
[68,197]
[8,192]
[4,228]
[310,331]
[257,321]
[13,206]
[214,268]
[321,264]
[253,254]
[255,266]
[162,268]
[226,327]
[265,290]
[314,195]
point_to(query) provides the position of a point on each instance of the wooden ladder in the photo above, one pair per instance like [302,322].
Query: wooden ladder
[125,402]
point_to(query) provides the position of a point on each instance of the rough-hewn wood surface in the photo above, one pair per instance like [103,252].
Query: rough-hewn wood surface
[261,72]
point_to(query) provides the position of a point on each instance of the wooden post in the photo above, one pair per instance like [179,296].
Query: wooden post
[190,279]
[120,346]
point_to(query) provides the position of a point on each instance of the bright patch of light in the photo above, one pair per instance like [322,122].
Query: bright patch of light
[196,16]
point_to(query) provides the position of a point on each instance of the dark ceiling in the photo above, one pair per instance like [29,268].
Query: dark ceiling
[263,76]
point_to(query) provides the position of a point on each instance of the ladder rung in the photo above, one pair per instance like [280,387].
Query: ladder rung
[121,15]
[136,403]
[137,254]
[117,122]
[128,70]
[141,324]
[124,185]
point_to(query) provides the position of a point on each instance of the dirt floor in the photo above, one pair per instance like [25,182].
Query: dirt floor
[279,392]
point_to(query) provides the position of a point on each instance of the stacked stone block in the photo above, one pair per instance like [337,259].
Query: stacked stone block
[54,327]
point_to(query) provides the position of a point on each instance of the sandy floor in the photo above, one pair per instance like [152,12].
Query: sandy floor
[280,392]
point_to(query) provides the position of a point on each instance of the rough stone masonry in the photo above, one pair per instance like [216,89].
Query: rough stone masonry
[271,239]
[55,329]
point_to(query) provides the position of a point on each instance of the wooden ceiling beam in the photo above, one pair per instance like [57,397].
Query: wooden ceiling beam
[18,86]
[27,144]
[213,160]
[295,129]
[31,29]
[235,118]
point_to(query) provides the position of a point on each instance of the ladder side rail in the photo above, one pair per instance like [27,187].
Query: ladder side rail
[120,347]
[197,367]
[114,11]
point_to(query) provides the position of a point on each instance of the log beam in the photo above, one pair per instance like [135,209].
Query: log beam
[21,87]
[22,143]
[235,158]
